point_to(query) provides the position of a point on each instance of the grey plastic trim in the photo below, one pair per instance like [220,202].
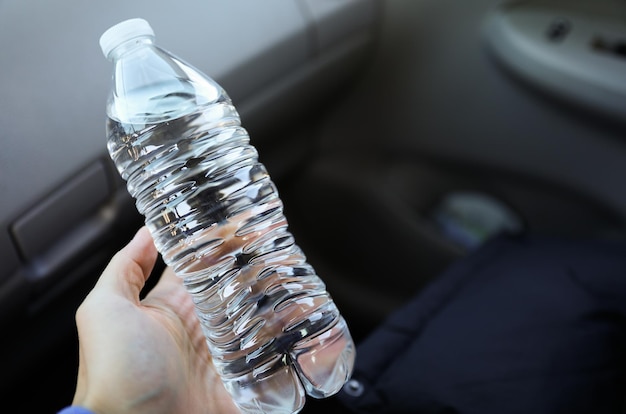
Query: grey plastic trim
[8,255]
[49,220]
[558,47]
[334,21]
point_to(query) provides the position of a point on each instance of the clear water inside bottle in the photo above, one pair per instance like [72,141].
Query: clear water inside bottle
[272,328]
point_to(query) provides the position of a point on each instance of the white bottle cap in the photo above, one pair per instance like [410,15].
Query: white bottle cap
[122,32]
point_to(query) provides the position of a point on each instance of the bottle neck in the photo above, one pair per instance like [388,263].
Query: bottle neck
[130,45]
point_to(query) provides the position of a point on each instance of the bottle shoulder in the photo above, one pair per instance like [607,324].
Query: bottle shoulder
[152,85]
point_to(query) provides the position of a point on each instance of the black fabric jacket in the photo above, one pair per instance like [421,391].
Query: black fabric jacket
[522,325]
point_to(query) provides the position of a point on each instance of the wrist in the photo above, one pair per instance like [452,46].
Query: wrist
[75,409]
[91,403]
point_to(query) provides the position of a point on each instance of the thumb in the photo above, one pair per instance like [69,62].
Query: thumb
[128,270]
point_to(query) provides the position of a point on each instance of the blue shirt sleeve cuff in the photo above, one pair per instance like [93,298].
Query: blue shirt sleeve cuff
[75,410]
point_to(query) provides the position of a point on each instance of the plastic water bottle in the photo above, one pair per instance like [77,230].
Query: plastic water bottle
[272,329]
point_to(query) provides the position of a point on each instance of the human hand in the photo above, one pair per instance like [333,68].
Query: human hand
[144,356]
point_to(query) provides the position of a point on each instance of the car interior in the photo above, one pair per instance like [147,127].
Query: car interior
[401,135]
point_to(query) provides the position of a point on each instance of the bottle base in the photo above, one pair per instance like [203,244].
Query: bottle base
[324,363]
[273,387]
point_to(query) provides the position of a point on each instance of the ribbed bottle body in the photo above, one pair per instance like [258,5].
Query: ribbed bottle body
[272,328]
